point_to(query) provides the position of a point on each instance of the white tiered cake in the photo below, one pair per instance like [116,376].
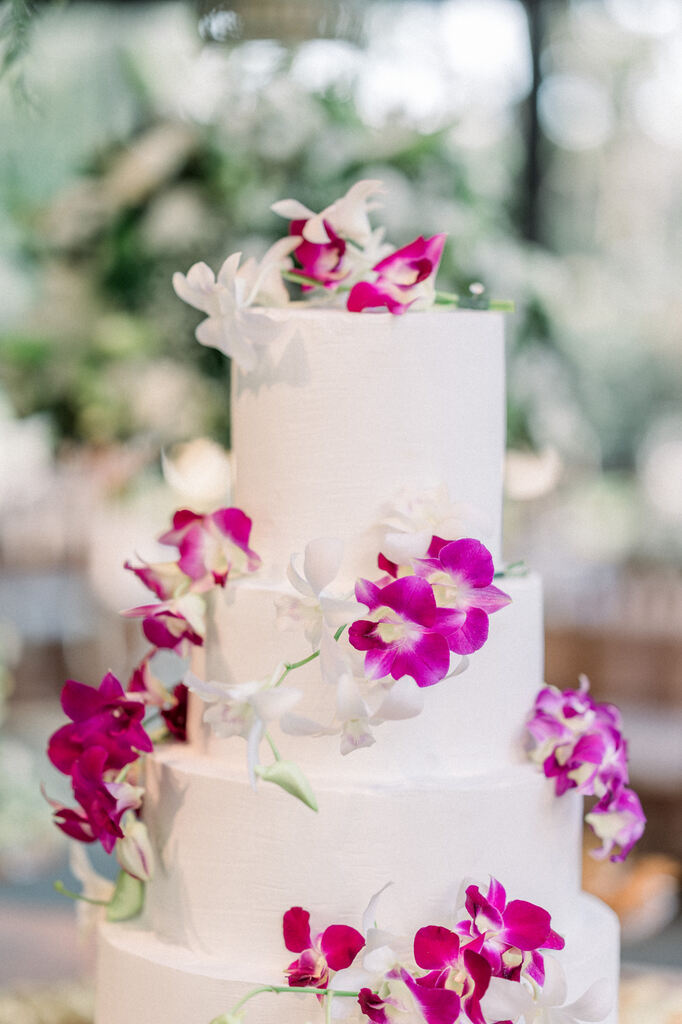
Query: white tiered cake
[346,412]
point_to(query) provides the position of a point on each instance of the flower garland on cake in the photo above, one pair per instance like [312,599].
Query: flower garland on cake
[336,258]
[491,967]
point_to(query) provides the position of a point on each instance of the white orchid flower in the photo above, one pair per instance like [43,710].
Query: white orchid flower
[245,709]
[232,326]
[512,1000]
[348,215]
[414,519]
[313,605]
[134,851]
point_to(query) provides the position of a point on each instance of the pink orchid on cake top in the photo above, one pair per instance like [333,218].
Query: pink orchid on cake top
[405,278]
[330,950]
[324,262]
[578,742]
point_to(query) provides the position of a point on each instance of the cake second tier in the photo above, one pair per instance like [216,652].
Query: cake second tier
[470,724]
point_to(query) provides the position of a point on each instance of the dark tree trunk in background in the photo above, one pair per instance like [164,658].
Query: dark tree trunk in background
[529,212]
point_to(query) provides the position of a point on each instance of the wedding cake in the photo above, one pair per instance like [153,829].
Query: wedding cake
[408,823]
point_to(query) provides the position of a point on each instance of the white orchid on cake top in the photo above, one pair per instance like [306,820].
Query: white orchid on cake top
[232,325]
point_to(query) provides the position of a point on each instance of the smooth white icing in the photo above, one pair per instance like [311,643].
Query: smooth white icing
[141,978]
[470,724]
[351,410]
[230,860]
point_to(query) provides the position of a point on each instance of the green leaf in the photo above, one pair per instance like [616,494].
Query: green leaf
[290,777]
[128,898]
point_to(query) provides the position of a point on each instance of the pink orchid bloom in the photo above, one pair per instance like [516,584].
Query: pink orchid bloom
[618,820]
[164,579]
[322,261]
[166,625]
[591,764]
[454,965]
[212,545]
[145,685]
[512,933]
[175,716]
[403,278]
[396,569]
[578,741]
[402,637]
[430,1004]
[331,950]
[105,718]
[102,804]
[461,573]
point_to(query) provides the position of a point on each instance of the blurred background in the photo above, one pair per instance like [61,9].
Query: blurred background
[545,137]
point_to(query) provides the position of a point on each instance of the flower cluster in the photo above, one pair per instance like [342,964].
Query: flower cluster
[335,256]
[578,742]
[211,548]
[102,748]
[491,966]
[425,614]
[97,750]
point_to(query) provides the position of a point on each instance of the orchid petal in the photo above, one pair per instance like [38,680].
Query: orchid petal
[296,928]
[341,944]
[322,561]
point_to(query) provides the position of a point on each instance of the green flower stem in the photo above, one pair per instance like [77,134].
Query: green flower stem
[290,275]
[283,990]
[61,888]
[273,748]
[328,1008]
[289,666]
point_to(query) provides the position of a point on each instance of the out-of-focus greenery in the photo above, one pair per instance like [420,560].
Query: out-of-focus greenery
[146,150]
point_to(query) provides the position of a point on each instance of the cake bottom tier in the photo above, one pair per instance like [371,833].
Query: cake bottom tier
[143,980]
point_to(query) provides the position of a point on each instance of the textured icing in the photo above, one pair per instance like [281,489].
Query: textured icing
[355,408]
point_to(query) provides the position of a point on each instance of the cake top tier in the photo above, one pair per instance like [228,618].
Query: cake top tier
[346,418]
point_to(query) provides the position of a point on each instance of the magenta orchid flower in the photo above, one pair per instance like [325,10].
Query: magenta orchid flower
[214,545]
[461,573]
[106,718]
[164,579]
[404,278]
[402,637]
[323,261]
[102,804]
[511,933]
[145,685]
[453,965]
[618,820]
[173,625]
[175,716]
[348,216]
[578,741]
[331,950]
